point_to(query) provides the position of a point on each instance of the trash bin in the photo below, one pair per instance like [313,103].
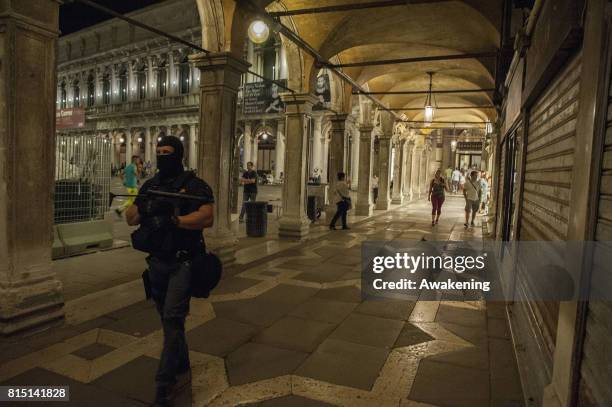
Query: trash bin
[256,218]
[311,208]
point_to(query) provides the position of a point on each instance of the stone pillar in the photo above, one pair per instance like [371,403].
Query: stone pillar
[193,145]
[30,293]
[324,158]
[384,160]
[409,154]
[364,204]
[294,223]
[248,144]
[219,82]
[355,162]
[317,145]
[280,149]
[416,165]
[397,195]
[128,146]
[336,147]
[148,146]
[255,150]
[171,84]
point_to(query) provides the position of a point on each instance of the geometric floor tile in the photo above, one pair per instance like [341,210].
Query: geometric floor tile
[449,385]
[254,361]
[219,336]
[368,330]
[411,335]
[298,334]
[344,363]
[134,380]
[93,351]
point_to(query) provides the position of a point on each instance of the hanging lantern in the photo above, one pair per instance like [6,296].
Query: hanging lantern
[429,103]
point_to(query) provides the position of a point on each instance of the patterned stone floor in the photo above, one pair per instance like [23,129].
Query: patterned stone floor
[291,330]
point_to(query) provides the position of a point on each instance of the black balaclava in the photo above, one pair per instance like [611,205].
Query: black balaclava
[170,165]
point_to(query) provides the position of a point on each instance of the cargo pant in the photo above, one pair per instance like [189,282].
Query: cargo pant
[171,290]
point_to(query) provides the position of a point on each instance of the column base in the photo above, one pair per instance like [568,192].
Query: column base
[364,209]
[224,246]
[382,204]
[31,307]
[293,228]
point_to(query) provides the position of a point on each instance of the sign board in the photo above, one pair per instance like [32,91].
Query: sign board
[262,97]
[469,145]
[323,92]
[70,118]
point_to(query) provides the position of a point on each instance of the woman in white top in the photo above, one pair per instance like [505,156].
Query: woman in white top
[343,201]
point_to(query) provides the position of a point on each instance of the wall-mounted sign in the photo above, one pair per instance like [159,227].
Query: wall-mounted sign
[263,97]
[323,92]
[70,118]
[469,145]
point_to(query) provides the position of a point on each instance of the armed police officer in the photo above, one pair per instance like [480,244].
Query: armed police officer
[171,232]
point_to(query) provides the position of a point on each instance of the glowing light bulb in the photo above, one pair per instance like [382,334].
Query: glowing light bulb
[429,113]
[122,140]
[140,139]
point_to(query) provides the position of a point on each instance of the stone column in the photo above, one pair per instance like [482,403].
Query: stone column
[30,293]
[317,144]
[193,146]
[255,150]
[324,158]
[384,160]
[294,222]
[355,160]
[364,204]
[219,82]
[336,147]
[416,165]
[148,146]
[128,146]
[280,149]
[248,144]
[397,195]
[171,84]
[409,154]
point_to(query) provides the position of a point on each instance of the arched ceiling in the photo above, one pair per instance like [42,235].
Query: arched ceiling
[427,28]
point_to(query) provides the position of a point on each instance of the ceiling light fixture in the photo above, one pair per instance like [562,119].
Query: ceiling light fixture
[429,103]
[488,127]
[258,32]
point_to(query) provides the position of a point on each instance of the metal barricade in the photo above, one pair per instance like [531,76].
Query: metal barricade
[82,178]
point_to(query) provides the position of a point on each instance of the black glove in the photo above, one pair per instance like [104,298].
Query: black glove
[155,207]
[158,222]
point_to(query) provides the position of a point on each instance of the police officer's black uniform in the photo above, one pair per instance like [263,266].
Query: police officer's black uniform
[171,253]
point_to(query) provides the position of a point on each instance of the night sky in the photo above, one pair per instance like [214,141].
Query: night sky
[76,16]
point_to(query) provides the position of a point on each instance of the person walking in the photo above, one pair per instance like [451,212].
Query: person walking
[249,194]
[472,194]
[448,173]
[456,177]
[171,232]
[462,175]
[130,182]
[343,201]
[437,188]
[375,188]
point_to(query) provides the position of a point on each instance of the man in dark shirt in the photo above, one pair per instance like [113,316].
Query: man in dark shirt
[174,229]
[249,180]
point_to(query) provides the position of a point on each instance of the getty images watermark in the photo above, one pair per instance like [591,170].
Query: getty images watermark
[498,271]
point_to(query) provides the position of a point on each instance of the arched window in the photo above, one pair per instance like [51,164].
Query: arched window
[76,91]
[162,73]
[184,76]
[141,81]
[91,90]
[63,95]
[106,89]
[123,84]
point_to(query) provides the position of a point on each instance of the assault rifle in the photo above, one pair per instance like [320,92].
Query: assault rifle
[152,194]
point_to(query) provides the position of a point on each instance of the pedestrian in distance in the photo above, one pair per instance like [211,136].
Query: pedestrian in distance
[343,201]
[437,189]
[130,182]
[171,233]
[374,188]
[249,193]
[472,194]
[456,178]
